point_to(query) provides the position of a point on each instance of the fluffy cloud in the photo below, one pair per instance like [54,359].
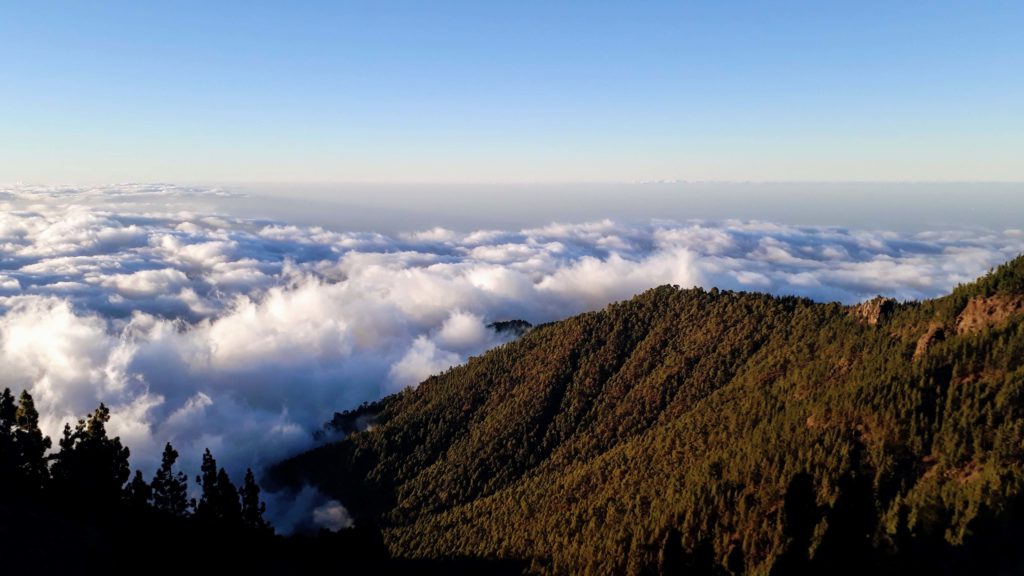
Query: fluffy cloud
[244,336]
[145,283]
[332,516]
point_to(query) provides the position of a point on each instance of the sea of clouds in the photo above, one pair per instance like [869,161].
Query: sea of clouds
[244,335]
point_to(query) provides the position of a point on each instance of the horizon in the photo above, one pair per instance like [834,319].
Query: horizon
[394,208]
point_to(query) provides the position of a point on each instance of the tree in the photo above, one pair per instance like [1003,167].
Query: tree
[22,445]
[846,547]
[138,494]
[252,508]
[8,409]
[800,515]
[207,480]
[229,510]
[8,450]
[219,500]
[90,468]
[31,444]
[170,489]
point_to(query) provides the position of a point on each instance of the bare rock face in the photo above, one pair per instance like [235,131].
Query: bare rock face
[875,310]
[935,333]
[981,313]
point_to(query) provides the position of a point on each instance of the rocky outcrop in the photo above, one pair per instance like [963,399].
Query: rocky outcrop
[981,313]
[935,333]
[874,311]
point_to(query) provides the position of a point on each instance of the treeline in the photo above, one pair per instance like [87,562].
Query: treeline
[81,493]
[706,431]
[78,509]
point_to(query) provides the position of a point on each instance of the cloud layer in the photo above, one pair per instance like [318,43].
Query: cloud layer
[244,336]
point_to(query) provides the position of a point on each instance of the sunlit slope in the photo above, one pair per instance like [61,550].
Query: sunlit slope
[711,430]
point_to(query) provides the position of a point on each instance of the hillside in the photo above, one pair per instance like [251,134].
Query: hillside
[717,431]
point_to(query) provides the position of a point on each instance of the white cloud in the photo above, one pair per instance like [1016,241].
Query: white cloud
[591,282]
[421,360]
[244,337]
[463,331]
[145,283]
[332,516]
[433,235]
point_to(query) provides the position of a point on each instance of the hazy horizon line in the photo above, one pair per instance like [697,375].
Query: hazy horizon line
[653,182]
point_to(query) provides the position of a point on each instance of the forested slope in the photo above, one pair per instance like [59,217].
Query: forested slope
[716,432]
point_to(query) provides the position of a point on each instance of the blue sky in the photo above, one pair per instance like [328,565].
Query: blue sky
[510,92]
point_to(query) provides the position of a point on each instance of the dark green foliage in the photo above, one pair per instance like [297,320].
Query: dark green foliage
[137,493]
[207,480]
[227,509]
[170,489]
[219,503]
[800,515]
[85,520]
[252,507]
[90,469]
[764,431]
[8,449]
[31,445]
[349,421]
[514,327]
[22,445]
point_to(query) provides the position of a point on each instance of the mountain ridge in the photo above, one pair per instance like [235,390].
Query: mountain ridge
[677,426]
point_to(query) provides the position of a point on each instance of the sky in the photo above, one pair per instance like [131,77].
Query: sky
[511,92]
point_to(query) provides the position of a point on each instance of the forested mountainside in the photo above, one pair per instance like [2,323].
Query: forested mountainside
[714,432]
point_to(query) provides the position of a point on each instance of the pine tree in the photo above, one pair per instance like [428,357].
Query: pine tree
[8,409]
[90,469]
[228,507]
[219,501]
[138,494]
[252,508]
[8,450]
[207,480]
[170,489]
[31,444]
[22,446]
